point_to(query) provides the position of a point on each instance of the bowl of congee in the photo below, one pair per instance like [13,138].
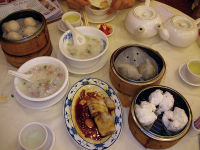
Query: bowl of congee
[48,78]
[86,56]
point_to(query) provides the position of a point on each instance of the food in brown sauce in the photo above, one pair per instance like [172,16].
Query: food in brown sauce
[95,115]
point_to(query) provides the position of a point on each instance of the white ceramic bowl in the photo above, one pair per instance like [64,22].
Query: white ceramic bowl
[98,12]
[36,61]
[83,63]
[33,136]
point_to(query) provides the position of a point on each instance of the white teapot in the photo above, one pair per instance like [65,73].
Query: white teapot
[142,22]
[179,31]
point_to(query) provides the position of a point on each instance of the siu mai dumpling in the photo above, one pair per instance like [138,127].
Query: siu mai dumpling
[129,71]
[147,69]
[96,106]
[105,124]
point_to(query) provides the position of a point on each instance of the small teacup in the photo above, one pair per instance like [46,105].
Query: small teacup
[33,136]
[72,17]
[193,70]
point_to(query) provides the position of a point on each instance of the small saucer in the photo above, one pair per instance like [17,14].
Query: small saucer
[99,19]
[42,104]
[89,70]
[62,27]
[182,73]
[51,138]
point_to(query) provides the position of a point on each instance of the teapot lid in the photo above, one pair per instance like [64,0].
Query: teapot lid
[145,12]
[182,22]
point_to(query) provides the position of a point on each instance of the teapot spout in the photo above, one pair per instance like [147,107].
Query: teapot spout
[198,22]
[163,32]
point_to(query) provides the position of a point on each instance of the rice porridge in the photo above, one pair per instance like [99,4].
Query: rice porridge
[46,80]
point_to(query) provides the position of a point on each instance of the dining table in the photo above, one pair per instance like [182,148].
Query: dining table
[13,115]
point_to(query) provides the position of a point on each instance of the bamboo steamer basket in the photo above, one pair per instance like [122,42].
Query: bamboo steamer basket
[131,88]
[157,137]
[18,52]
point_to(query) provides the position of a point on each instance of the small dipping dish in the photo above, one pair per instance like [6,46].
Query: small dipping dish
[106,28]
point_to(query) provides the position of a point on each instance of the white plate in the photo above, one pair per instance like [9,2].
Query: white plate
[62,27]
[68,114]
[92,69]
[51,139]
[41,104]
[99,19]
[182,73]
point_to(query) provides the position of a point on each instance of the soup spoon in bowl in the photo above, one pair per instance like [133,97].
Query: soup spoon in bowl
[26,77]
[78,38]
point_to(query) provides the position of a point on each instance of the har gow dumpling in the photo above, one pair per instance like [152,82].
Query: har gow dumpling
[129,71]
[28,31]
[14,36]
[11,25]
[29,21]
[147,69]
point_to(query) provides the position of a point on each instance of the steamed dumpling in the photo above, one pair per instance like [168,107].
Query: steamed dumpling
[167,103]
[129,71]
[29,21]
[156,97]
[147,69]
[175,120]
[14,36]
[11,25]
[145,113]
[28,31]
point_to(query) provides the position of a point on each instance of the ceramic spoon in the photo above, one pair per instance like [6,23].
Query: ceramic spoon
[78,38]
[20,75]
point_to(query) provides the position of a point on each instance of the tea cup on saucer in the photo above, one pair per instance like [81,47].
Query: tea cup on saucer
[72,17]
[33,136]
[193,70]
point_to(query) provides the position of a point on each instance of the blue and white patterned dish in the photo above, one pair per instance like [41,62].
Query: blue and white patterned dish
[68,114]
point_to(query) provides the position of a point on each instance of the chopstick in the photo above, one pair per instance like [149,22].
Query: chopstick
[85,17]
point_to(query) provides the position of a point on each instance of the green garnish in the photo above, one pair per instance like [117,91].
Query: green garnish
[12,95]
[45,67]
[88,51]
[72,53]
[24,83]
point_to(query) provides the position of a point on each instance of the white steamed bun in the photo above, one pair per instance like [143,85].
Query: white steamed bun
[14,36]
[29,21]
[145,113]
[156,97]
[11,25]
[175,120]
[167,103]
[28,31]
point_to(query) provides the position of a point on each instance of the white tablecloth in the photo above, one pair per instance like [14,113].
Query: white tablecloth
[14,116]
